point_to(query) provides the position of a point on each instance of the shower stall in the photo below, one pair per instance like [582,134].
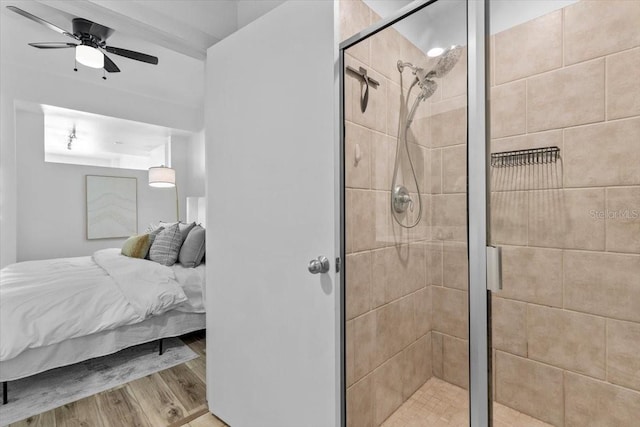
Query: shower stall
[491,221]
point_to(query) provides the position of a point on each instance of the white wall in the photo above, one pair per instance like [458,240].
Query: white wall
[196,175]
[51,198]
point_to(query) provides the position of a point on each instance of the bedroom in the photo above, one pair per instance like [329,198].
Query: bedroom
[418,213]
[146,115]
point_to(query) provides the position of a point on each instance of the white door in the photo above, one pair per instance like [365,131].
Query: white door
[272,326]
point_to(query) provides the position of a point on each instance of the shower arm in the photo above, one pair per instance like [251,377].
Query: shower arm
[401,66]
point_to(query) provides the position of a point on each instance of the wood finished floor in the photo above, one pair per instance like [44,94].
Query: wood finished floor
[175,397]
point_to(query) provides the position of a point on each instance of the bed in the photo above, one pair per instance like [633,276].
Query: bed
[63,311]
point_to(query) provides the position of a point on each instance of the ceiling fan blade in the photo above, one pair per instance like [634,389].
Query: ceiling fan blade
[110,66]
[52,45]
[132,55]
[41,21]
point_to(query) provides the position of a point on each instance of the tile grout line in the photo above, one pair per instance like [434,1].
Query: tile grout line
[562,275]
[606,91]
[562,29]
[606,350]
[606,222]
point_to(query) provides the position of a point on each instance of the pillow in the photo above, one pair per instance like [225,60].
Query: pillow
[153,234]
[184,228]
[192,250]
[152,227]
[136,246]
[166,246]
[152,237]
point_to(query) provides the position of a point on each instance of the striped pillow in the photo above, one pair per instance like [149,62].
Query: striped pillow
[166,246]
[152,236]
[184,228]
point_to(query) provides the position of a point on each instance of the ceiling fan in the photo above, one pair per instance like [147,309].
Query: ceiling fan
[92,38]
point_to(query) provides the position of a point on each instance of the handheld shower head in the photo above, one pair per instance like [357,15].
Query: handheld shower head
[448,59]
[400,198]
[428,88]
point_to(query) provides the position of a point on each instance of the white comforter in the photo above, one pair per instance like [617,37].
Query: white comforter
[46,302]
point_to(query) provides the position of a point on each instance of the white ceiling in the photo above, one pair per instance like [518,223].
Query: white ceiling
[186,27]
[178,32]
[99,134]
[443,23]
[177,78]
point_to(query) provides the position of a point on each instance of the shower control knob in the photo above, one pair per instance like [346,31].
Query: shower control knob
[319,265]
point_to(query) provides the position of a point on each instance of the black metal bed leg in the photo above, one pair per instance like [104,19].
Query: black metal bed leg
[160,349]
[5,396]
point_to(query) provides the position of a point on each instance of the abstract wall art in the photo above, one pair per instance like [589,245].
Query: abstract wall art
[112,207]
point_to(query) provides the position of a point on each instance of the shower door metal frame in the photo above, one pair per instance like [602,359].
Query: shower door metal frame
[477,212]
[480,404]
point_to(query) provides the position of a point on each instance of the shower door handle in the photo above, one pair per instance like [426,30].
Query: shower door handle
[319,265]
[494,268]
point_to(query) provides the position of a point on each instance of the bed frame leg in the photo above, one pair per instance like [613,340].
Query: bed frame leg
[5,396]
[160,349]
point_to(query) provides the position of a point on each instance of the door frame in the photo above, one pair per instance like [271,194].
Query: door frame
[477,212]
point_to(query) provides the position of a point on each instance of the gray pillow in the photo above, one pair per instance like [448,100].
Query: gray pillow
[184,228]
[152,237]
[166,246]
[192,250]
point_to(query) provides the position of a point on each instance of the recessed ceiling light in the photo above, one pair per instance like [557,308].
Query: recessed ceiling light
[436,51]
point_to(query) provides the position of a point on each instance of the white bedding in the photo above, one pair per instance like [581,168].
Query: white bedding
[49,301]
[192,281]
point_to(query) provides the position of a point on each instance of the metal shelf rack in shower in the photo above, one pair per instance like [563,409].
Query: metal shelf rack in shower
[533,156]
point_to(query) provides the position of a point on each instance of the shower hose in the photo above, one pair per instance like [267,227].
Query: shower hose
[402,137]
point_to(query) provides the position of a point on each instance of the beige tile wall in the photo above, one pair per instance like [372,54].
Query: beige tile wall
[406,289]
[566,326]
[388,300]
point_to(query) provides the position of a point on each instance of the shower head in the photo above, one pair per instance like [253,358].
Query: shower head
[428,88]
[448,59]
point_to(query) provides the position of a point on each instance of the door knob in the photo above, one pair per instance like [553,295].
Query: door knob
[319,265]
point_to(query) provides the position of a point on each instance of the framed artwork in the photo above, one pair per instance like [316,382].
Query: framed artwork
[112,206]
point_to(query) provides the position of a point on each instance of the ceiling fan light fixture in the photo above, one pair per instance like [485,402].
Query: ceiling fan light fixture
[89,56]
[93,40]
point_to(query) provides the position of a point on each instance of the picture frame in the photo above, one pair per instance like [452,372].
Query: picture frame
[111,206]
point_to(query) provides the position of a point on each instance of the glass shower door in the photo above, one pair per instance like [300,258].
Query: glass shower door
[405,229]
[565,208]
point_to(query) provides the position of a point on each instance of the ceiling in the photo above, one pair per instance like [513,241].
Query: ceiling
[186,27]
[96,133]
[178,32]
[443,23]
